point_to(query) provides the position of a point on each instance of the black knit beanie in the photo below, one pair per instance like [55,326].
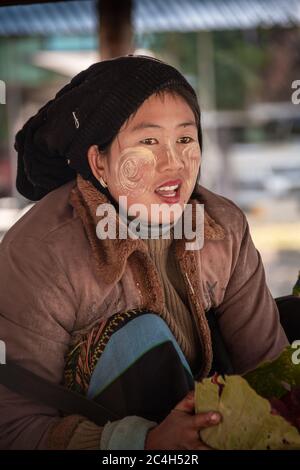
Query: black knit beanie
[52,145]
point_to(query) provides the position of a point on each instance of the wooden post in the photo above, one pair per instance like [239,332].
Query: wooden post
[116,32]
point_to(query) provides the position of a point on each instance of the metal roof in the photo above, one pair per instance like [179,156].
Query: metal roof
[79,17]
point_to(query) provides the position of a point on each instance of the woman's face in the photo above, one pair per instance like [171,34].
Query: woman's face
[157,147]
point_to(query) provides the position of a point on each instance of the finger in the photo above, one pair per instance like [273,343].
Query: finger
[198,444]
[203,447]
[187,404]
[203,420]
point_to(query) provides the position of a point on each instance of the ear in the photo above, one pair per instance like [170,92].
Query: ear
[96,162]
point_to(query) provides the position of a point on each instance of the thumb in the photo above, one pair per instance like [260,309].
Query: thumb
[187,404]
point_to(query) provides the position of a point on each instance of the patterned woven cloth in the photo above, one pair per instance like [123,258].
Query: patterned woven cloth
[131,364]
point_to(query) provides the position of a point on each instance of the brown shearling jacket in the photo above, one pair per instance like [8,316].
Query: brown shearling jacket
[57,279]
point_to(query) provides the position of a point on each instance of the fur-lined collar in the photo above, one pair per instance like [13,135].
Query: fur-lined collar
[111,254]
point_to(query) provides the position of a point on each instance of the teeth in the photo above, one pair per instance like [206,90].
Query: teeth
[170,195]
[168,188]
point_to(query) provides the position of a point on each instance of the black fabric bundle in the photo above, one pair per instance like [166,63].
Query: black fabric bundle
[52,145]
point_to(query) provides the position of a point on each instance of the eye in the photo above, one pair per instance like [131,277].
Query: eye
[185,140]
[147,143]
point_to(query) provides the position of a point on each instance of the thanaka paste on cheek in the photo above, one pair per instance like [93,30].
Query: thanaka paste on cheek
[192,158]
[136,170]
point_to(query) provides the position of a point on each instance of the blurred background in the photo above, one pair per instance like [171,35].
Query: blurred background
[241,56]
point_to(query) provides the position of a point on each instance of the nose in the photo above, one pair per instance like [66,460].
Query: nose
[169,158]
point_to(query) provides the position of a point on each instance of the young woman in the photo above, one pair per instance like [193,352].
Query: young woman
[123,319]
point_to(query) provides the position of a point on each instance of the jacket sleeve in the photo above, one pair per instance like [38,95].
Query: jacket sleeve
[37,312]
[128,433]
[248,315]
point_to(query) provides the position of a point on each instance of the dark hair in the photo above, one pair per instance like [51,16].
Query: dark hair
[173,89]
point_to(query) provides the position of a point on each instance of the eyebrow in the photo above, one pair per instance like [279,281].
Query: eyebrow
[144,125]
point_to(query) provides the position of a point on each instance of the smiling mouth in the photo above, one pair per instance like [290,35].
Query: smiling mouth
[169,189]
[169,194]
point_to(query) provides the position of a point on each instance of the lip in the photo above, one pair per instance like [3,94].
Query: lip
[170,183]
[170,200]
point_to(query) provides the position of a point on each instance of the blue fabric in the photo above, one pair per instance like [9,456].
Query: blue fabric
[132,366]
[126,345]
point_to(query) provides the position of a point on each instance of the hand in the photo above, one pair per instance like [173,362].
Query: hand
[180,429]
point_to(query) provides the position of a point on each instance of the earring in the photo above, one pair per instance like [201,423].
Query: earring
[102,182]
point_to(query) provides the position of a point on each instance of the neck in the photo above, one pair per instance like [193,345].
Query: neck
[145,229]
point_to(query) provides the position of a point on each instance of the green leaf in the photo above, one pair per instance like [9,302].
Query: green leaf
[247,422]
[274,378]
